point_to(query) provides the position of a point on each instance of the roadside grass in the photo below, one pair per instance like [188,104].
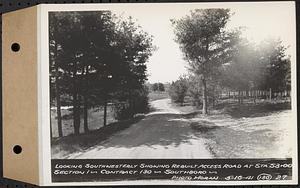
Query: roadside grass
[235,110]
[62,147]
[249,109]
[246,130]
[247,137]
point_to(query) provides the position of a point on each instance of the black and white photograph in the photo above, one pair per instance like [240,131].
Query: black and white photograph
[180,83]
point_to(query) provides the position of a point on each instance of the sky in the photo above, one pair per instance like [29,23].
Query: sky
[262,20]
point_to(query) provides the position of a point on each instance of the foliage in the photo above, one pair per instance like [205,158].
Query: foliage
[139,104]
[154,87]
[276,65]
[161,87]
[242,72]
[219,58]
[258,67]
[178,90]
[97,58]
[122,111]
[158,87]
[203,40]
[195,90]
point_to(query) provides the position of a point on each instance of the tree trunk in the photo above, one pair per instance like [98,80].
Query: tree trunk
[131,105]
[213,97]
[58,109]
[270,93]
[204,110]
[234,95]
[105,112]
[51,134]
[85,114]
[242,97]
[76,114]
[76,103]
[85,100]
[197,103]
[57,95]
[255,96]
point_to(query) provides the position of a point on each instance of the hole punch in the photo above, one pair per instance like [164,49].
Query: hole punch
[15,47]
[17,149]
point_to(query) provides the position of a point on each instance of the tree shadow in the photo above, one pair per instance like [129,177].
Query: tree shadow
[73,143]
[191,115]
[204,126]
[153,131]
[159,130]
[254,110]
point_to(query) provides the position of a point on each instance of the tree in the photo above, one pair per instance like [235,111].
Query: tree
[155,87]
[263,67]
[158,87]
[135,47]
[276,65]
[82,39]
[194,89]
[203,40]
[178,90]
[54,70]
[123,111]
[243,72]
[101,59]
[161,87]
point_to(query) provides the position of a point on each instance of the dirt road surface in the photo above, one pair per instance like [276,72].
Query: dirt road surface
[161,134]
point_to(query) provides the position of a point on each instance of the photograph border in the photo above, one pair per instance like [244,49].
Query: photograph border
[44,128]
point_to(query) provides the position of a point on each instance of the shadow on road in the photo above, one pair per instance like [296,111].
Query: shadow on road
[159,130]
[203,126]
[73,143]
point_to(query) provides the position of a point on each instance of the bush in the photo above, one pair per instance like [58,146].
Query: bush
[122,111]
[137,103]
[178,90]
[161,87]
[158,87]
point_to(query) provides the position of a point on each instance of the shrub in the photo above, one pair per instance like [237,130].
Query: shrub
[137,103]
[178,90]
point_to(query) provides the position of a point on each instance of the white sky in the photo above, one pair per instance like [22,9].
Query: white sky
[263,20]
